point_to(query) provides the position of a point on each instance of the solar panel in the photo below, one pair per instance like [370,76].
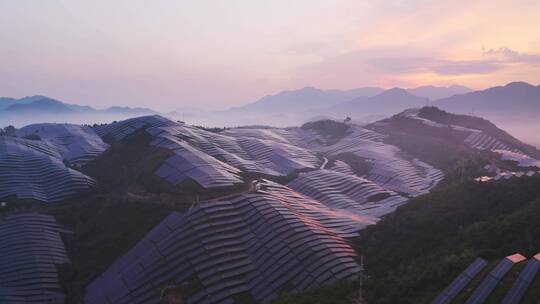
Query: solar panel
[33,169]
[240,258]
[76,144]
[525,278]
[489,283]
[31,251]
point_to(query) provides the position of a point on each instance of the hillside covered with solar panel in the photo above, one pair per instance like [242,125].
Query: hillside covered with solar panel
[152,210]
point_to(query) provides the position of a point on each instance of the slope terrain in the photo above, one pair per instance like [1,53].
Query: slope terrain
[413,254]
[514,107]
[246,214]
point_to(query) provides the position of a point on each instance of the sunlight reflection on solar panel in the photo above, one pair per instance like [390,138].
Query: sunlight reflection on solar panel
[251,256]
[522,283]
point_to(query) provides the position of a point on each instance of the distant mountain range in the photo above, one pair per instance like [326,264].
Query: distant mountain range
[515,106]
[516,98]
[36,109]
[313,98]
[364,104]
[388,102]
[307,98]
[434,93]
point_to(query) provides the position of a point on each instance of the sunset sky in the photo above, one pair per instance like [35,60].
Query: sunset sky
[216,54]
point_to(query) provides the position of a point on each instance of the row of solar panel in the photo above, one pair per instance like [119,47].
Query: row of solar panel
[31,249]
[190,163]
[35,169]
[480,140]
[265,156]
[76,144]
[29,174]
[491,280]
[263,244]
[261,155]
[347,193]
[122,129]
[342,167]
[476,138]
[391,169]
[271,151]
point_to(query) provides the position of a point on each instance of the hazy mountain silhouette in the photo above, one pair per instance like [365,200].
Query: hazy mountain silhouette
[39,106]
[295,107]
[515,107]
[433,92]
[515,98]
[307,98]
[36,109]
[8,101]
[311,98]
[386,103]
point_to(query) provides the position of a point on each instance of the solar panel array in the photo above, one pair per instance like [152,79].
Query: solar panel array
[260,244]
[190,163]
[76,144]
[342,167]
[221,156]
[488,284]
[122,129]
[31,248]
[521,284]
[278,158]
[32,169]
[483,141]
[455,288]
[278,152]
[480,140]
[520,158]
[219,146]
[349,193]
[526,276]
[265,151]
[392,168]
[273,134]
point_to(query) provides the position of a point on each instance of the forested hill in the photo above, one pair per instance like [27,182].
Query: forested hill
[425,244]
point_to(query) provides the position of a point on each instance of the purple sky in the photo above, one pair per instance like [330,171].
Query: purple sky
[216,54]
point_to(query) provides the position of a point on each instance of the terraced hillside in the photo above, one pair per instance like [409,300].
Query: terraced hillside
[347,192]
[31,250]
[76,144]
[212,159]
[440,138]
[220,160]
[254,212]
[422,250]
[392,168]
[333,205]
[255,246]
[35,170]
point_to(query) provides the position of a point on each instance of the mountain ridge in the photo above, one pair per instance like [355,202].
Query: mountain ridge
[513,98]
[330,97]
[39,109]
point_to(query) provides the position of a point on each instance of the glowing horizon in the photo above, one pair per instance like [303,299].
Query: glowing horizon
[217,54]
